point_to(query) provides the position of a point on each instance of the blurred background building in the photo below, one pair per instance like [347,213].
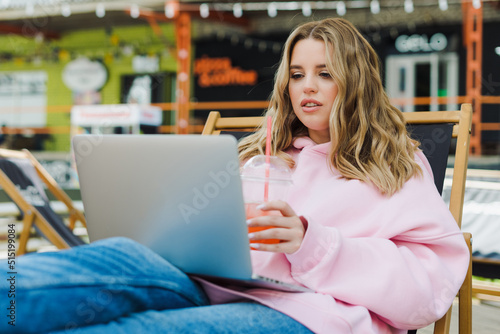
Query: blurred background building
[177,60]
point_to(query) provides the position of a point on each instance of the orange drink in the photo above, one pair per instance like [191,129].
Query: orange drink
[252,212]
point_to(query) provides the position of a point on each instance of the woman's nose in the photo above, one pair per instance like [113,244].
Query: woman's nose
[310,85]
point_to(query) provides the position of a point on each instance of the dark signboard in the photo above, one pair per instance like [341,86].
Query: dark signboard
[234,68]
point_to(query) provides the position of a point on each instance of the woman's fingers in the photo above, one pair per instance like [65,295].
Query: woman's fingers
[288,230]
[283,234]
[286,227]
[273,218]
[281,206]
[288,247]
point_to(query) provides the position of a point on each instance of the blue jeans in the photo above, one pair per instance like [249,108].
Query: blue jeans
[119,286]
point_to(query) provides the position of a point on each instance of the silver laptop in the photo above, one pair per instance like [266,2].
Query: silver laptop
[179,195]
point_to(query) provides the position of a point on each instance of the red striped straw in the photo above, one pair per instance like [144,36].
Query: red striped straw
[268,157]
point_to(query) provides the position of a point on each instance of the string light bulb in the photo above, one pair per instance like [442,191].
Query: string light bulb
[237,10]
[100,10]
[443,5]
[306,9]
[375,7]
[341,10]
[272,10]
[409,6]
[170,9]
[204,10]
[134,11]
[65,10]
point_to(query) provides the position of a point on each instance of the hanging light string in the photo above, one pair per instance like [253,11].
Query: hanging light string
[274,7]
[68,7]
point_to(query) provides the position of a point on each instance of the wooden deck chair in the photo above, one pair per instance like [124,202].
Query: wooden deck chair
[23,178]
[435,131]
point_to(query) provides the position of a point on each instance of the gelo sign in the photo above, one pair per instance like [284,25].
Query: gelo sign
[421,43]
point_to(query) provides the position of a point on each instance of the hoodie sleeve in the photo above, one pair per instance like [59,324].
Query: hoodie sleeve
[407,269]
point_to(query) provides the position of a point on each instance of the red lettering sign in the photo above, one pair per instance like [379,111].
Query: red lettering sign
[220,72]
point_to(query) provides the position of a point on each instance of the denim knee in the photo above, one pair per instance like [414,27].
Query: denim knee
[119,242]
[131,253]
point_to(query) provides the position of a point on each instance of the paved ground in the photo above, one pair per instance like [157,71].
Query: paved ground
[485,319]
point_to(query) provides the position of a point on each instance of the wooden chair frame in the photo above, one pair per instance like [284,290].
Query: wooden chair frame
[31,215]
[461,120]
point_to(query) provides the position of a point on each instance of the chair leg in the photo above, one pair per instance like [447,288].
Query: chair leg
[465,297]
[442,326]
[72,221]
[75,216]
[45,229]
[25,233]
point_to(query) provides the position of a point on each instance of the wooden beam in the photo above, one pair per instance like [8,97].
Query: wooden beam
[183,40]
[22,31]
[473,39]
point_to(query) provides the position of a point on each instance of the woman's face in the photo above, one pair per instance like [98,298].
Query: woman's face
[312,89]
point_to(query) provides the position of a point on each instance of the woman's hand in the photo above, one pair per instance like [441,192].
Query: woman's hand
[287,227]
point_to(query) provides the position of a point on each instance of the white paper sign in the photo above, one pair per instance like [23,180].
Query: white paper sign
[146,64]
[105,115]
[83,75]
[23,98]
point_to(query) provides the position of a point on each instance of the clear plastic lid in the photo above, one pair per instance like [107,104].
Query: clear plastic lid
[255,169]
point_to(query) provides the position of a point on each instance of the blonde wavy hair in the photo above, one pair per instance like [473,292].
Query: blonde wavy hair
[368,135]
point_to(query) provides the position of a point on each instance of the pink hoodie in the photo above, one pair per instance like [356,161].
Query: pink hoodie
[378,264]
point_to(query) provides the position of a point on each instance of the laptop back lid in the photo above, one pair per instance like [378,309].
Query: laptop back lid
[179,195]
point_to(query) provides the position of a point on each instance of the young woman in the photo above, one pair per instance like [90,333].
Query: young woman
[363,226]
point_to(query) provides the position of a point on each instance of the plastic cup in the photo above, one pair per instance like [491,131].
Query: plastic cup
[264,182]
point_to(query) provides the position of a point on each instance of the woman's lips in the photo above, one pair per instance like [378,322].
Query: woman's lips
[310,105]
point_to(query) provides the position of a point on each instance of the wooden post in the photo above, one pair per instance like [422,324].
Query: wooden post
[183,34]
[473,40]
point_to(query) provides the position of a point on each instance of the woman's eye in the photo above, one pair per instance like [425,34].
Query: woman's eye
[325,75]
[296,75]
